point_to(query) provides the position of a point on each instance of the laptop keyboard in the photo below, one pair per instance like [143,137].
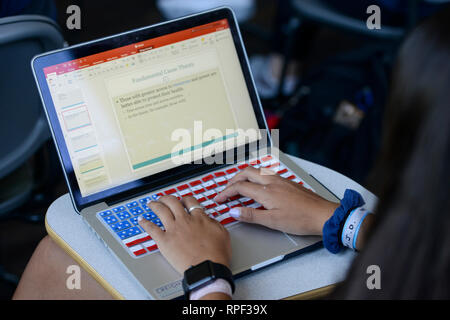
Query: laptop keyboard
[121,220]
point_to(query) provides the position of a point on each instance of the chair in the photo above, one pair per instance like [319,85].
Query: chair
[320,13]
[23,126]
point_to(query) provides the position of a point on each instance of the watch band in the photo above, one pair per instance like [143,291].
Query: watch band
[203,274]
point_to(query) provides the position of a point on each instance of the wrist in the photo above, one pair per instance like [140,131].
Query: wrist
[324,215]
[216,296]
[364,231]
[354,228]
[218,289]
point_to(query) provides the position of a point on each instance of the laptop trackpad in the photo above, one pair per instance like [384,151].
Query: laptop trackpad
[253,244]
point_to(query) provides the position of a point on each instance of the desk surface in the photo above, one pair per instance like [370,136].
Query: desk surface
[296,275]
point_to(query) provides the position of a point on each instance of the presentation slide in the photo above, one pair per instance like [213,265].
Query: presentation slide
[65,100]
[83,141]
[76,118]
[168,99]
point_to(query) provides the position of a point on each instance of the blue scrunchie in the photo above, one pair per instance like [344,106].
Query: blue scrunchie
[333,226]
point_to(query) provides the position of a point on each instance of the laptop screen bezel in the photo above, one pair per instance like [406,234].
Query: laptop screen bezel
[161,179]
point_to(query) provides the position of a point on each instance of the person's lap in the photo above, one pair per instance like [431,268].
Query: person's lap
[45,276]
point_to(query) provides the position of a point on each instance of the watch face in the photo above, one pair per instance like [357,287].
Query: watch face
[201,273]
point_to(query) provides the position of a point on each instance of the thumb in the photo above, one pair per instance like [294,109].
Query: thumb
[252,215]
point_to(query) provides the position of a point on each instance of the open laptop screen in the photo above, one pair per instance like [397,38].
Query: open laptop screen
[147,107]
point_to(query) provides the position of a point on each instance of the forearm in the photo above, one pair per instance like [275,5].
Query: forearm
[360,242]
[366,225]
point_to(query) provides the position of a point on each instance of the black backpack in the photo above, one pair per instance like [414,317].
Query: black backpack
[315,125]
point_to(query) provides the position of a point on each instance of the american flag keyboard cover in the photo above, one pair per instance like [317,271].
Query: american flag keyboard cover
[122,220]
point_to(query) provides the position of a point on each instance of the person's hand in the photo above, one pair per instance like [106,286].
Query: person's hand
[290,207]
[188,239]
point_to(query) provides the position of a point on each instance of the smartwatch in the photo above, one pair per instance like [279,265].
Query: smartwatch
[203,274]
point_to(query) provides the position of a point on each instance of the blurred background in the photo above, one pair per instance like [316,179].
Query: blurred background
[322,75]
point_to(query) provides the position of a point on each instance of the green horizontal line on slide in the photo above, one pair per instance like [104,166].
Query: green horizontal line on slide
[180,152]
[92,169]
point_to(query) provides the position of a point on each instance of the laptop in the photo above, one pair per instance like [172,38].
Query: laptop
[166,109]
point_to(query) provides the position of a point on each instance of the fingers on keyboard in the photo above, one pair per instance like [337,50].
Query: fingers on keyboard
[122,220]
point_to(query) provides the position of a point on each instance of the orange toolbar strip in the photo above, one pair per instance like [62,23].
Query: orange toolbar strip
[138,47]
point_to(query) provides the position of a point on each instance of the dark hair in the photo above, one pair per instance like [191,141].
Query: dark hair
[410,240]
